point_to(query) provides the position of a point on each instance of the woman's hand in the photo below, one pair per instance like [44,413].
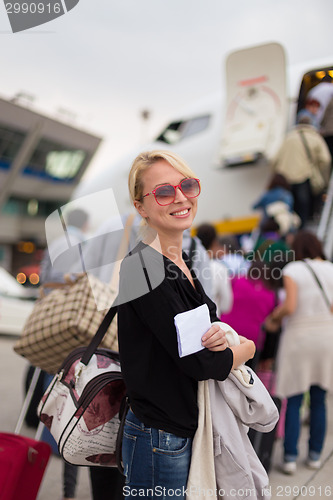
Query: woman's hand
[272,324]
[243,351]
[242,339]
[214,339]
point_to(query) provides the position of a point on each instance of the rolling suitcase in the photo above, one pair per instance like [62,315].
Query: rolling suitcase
[263,442]
[268,379]
[23,460]
[22,465]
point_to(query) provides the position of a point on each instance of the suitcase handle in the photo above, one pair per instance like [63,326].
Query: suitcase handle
[27,400]
[32,455]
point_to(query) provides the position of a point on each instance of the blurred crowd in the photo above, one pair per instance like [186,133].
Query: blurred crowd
[277,290]
[276,286]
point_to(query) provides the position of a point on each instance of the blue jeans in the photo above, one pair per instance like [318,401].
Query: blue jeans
[317,424]
[156,463]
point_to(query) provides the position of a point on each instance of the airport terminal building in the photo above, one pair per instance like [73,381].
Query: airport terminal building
[41,162]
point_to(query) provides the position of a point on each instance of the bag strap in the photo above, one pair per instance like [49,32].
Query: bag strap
[124,407]
[306,145]
[103,327]
[319,284]
[69,243]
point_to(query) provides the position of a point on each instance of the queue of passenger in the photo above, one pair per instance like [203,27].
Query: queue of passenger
[290,317]
[305,156]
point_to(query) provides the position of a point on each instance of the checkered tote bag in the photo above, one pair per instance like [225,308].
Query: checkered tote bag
[68,316]
[64,319]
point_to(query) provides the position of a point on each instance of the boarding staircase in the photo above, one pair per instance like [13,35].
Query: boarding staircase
[325,227]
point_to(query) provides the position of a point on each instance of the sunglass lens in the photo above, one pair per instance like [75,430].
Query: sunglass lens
[165,194]
[190,187]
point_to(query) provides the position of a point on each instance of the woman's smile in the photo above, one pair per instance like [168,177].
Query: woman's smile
[181,213]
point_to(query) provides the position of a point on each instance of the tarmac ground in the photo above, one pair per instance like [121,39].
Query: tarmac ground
[305,484]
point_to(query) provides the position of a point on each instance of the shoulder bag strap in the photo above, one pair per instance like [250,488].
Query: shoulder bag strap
[319,284]
[306,145]
[102,329]
[69,243]
[124,407]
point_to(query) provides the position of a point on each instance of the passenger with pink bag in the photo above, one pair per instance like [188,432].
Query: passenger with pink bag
[253,300]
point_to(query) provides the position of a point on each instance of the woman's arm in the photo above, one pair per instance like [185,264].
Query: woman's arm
[290,303]
[215,340]
[243,352]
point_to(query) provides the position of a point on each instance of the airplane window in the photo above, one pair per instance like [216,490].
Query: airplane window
[195,126]
[177,131]
[171,134]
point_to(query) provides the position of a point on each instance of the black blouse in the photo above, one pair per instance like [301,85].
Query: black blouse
[162,387]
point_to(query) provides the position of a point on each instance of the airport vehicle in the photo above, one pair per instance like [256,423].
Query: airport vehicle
[15,304]
[229,140]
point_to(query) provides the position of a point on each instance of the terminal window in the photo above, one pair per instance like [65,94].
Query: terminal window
[50,160]
[56,161]
[10,143]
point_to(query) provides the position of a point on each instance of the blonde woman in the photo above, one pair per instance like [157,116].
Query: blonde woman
[162,386]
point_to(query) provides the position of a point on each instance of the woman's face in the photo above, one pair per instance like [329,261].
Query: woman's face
[177,216]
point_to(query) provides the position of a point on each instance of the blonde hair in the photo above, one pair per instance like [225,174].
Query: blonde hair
[145,160]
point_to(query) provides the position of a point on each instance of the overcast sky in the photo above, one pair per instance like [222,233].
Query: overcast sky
[107,60]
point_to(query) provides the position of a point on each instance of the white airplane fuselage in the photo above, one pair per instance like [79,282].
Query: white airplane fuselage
[200,134]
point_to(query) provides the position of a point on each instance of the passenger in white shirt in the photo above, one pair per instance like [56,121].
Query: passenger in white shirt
[323,92]
[222,291]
